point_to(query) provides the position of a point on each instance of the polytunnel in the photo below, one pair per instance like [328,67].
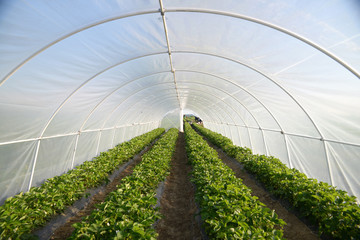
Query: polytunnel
[79,77]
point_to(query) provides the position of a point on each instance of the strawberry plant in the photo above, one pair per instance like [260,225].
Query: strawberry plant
[24,212]
[336,214]
[226,206]
[129,212]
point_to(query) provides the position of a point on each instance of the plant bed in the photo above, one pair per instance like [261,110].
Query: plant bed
[295,228]
[130,212]
[226,205]
[60,227]
[21,214]
[334,212]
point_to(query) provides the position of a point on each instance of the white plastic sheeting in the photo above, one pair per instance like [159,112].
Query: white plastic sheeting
[78,77]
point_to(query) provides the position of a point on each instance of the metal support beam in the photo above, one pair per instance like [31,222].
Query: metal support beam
[162,11]
[181,127]
[75,148]
[221,100]
[275,27]
[34,164]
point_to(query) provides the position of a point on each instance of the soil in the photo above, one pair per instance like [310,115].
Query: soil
[294,228]
[177,203]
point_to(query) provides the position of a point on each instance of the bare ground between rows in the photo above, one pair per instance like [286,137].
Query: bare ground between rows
[60,227]
[177,204]
[294,229]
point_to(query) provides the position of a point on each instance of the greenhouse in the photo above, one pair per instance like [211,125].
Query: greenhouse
[83,79]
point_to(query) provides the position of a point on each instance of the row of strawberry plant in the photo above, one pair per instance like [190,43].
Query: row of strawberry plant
[24,212]
[226,206]
[129,212]
[336,214]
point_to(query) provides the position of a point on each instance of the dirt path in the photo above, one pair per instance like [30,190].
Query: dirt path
[295,228]
[177,203]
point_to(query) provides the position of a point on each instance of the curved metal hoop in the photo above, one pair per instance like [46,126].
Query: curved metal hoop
[275,27]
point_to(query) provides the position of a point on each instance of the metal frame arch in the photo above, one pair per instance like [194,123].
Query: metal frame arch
[116,126]
[100,132]
[219,126]
[139,102]
[219,100]
[169,48]
[226,93]
[39,140]
[239,86]
[151,102]
[65,36]
[275,27]
[205,102]
[203,113]
[145,116]
[221,122]
[87,81]
[131,95]
[148,126]
[348,69]
[203,116]
[115,90]
[162,100]
[156,101]
[262,74]
[231,96]
[207,11]
[288,93]
[258,100]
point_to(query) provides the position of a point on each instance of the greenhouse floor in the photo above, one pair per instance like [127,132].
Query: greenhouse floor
[177,203]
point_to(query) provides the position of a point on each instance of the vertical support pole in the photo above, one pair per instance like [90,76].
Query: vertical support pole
[251,145]
[181,129]
[74,153]
[239,134]
[113,138]
[328,162]
[223,129]
[231,136]
[287,150]
[98,144]
[34,164]
[137,131]
[217,128]
[123,134]
[141,127]
[266,148]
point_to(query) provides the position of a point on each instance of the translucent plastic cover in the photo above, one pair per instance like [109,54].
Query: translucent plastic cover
[79,77]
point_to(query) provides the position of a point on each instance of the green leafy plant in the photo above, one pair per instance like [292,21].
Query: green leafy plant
[24,212]
[226,206]
[129,212]
[336,214]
